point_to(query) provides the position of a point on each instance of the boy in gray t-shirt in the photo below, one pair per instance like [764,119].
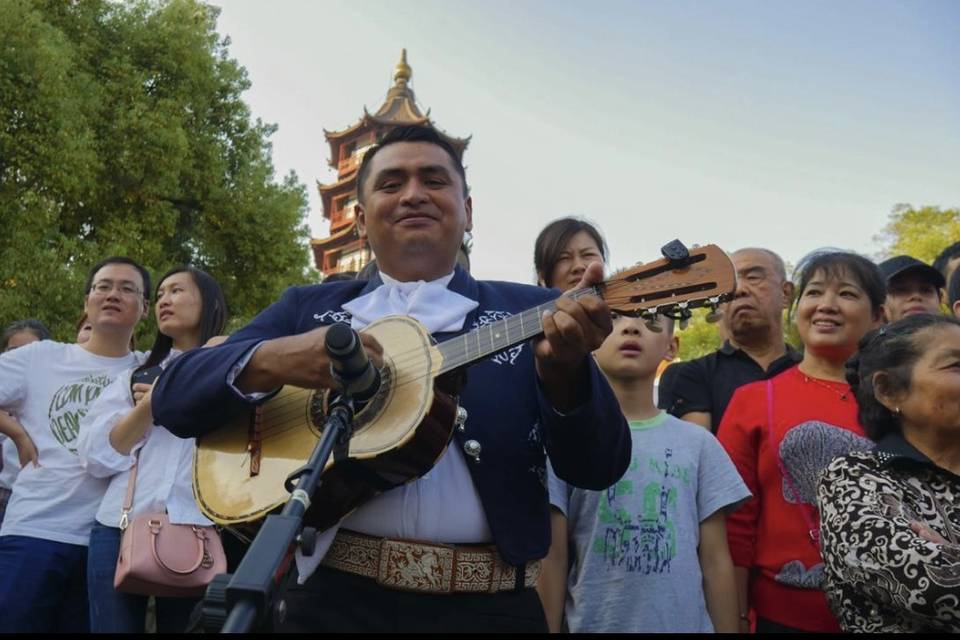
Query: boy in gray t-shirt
[650,553]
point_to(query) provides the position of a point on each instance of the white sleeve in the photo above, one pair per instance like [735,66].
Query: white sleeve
[237,369]
[14,366]
[96,453]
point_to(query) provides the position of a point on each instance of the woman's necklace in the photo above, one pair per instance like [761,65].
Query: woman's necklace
[842,394]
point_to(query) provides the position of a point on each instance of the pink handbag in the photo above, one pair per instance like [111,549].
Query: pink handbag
[158,558]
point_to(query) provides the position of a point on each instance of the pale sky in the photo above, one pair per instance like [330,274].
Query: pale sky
[783,124]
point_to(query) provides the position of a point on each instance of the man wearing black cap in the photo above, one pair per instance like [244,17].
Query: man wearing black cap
[912,287]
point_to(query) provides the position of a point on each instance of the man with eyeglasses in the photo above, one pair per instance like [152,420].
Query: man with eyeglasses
[50,386]
[699,390]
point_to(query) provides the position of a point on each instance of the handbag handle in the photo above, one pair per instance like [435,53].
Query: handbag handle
[128,498]
[155,527]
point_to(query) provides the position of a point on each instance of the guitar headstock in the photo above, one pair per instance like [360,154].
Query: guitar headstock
[708,278]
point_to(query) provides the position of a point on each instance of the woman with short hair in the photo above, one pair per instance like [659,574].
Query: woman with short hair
[890,522]
[781,432]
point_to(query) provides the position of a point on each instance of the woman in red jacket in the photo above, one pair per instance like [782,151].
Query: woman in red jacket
[783,432]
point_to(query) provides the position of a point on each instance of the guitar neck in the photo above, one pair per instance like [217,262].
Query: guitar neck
[491,338]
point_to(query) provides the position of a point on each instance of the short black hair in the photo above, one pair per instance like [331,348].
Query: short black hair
[948,254]
[35,327]
[410,133]
[834,263]
[144,274]
[892,349]
[552,241]
[213,314]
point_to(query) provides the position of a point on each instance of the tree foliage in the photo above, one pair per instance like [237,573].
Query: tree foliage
[922,233]
[123,132]
[699,338]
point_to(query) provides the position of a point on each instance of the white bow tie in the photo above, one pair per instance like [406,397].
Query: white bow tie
[438,308]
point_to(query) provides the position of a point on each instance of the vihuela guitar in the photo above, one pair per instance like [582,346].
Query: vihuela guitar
[240,468]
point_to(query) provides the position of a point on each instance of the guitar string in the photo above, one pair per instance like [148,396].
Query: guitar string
[295,406]
[509,326]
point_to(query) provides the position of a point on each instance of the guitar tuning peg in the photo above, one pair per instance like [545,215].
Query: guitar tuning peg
[715,313]
[652,320]
[684,323]
[654,325]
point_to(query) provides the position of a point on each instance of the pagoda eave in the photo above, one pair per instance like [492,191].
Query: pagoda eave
[345,235]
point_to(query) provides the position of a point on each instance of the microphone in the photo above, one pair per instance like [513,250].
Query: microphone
[350,364]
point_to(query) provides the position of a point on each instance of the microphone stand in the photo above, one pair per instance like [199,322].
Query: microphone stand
[251,592]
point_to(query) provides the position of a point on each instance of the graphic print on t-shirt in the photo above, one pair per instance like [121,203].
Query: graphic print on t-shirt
[69,404]
[806,450]
[643,542]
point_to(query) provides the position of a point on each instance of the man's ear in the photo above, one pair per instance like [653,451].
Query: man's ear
[956,309]
[789,289]
[468,208]
[361,217]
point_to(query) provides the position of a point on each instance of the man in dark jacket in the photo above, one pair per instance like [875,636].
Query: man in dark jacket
[457,549]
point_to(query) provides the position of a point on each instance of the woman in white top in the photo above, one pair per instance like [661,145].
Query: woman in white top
[190,309]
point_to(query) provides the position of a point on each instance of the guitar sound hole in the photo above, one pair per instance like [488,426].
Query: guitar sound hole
[320,402]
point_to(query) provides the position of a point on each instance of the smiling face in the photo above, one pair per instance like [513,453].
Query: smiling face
[115,302]
[414,211]
[833,314]
[179,307]
[632,351]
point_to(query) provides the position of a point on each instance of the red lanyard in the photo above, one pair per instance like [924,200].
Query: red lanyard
[813,529]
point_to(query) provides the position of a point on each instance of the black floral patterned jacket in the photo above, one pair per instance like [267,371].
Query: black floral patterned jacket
[881,576]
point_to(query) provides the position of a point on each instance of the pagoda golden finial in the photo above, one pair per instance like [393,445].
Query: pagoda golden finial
[402,72]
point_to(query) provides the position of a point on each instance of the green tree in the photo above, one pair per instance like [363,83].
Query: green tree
[922,233]
[123,131]
[699,338]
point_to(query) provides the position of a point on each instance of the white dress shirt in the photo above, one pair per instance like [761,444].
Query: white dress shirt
[443,505]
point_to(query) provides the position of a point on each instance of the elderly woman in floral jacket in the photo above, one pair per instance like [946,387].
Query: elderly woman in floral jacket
[890,518]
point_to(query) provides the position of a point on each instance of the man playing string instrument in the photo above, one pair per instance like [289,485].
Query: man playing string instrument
[486,495]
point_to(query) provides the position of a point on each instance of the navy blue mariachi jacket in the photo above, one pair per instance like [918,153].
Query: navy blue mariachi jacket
[508,413]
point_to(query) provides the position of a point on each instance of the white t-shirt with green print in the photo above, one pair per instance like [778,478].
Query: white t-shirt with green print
[635,566]
[49,386]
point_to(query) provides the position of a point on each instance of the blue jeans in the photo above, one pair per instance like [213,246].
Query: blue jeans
[42,586]
[114,612]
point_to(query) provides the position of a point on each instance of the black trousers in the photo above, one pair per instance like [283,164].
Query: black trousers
[336,601]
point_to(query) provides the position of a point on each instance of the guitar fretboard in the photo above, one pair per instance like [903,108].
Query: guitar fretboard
[491,338]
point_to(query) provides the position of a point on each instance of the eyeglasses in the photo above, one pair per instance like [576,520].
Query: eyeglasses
[104,287]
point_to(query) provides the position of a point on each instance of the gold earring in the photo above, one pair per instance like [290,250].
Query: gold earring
[897,411]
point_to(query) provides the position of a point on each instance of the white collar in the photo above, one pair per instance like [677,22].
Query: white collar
[432,303]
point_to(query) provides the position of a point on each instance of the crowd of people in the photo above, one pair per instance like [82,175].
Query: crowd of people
[764,487]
